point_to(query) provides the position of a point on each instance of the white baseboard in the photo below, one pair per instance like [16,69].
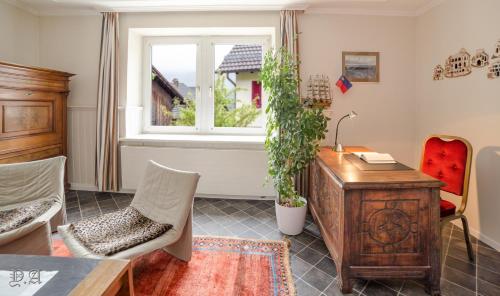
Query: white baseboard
[222,196]
[90,187]
[83,187]
[485,239]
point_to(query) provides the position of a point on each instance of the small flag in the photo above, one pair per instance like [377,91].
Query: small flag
[344,84]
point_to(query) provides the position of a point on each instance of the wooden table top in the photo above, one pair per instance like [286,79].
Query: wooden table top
[350,177]
[105,275]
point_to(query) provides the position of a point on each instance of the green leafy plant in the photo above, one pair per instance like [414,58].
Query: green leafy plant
[225,116]
[293,131]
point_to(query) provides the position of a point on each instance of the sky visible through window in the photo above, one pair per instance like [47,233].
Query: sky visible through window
[176,60]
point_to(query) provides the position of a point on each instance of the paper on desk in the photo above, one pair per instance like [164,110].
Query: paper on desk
[375,157]
[24,282]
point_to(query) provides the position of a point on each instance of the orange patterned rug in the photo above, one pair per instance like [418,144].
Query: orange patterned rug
[219,266]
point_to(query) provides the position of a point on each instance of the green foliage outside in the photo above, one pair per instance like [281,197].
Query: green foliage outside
[225,116]
[293,131]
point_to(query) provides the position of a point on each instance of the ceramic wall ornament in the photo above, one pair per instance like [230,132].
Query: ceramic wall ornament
[438,73]
[461,64]
[496,52]
[458,64]
[494,69]
[480,59]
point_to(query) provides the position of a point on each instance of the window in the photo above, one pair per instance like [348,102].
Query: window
[204,84]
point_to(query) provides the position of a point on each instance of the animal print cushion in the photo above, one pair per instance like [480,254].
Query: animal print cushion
[17,217]
[117,231]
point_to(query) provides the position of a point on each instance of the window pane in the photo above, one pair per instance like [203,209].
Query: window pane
[173,84]
[237,87]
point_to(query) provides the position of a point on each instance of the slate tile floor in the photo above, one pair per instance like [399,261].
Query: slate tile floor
[312,267]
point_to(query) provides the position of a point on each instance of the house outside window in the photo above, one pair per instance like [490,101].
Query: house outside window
[204,84]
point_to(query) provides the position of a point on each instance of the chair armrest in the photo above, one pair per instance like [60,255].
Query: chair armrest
[10,236]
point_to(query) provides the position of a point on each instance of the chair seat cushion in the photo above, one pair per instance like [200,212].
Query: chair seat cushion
[15,218]
[117,231]
[446,208]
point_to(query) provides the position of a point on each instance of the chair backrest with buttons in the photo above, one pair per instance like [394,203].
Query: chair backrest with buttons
[448,159]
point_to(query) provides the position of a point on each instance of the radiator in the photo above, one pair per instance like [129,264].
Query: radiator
[238,173]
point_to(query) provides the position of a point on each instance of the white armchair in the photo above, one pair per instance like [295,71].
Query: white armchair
[165,196]
[25,183]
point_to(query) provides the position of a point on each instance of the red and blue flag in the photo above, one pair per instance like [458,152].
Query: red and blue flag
[344,84]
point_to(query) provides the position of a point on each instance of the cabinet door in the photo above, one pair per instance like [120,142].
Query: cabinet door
[30,120]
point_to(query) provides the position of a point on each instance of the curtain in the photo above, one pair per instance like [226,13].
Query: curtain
[290,41]
[289,32]
[107,106]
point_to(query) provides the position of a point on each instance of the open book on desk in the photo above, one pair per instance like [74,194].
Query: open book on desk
[375,157]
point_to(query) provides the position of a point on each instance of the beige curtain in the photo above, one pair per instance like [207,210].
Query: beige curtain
[290,32]
[107,106]
[290,40]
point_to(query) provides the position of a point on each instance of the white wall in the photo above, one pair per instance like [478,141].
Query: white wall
[18,35]
[469,106]
[386,120]
[71,43]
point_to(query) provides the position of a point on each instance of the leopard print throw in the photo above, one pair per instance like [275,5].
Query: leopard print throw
[117,231]
[17,217]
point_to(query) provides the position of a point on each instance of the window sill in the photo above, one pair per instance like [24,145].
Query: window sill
[196,141]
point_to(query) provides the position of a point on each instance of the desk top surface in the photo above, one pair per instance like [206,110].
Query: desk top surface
[351,177]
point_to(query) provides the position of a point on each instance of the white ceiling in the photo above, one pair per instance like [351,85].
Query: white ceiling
[375,7]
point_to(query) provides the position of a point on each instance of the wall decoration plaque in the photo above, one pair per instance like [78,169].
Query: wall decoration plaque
[494,70]
[496,52]
[458,64]
[480,59]
[438,73]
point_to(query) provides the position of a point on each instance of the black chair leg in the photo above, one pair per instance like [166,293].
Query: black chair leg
[465,224]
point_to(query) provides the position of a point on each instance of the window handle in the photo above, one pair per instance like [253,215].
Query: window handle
[210,89]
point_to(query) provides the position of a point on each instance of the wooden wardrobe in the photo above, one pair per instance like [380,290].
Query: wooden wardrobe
[32,114]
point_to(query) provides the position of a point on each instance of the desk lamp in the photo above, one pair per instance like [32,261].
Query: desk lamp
[338,147]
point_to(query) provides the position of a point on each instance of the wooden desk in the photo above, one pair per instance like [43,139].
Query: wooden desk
[376,224]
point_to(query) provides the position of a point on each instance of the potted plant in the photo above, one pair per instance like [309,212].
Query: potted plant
[293,134]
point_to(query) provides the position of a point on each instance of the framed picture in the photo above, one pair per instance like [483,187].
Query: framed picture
[361,66]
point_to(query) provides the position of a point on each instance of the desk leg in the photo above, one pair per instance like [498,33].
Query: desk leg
[435,245]
[127,288]
[345,282]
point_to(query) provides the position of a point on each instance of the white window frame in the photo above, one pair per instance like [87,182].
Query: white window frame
[204,98]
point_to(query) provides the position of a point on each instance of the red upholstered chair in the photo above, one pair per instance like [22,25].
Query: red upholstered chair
[448,159]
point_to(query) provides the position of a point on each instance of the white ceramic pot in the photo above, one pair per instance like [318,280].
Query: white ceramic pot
[291,220]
